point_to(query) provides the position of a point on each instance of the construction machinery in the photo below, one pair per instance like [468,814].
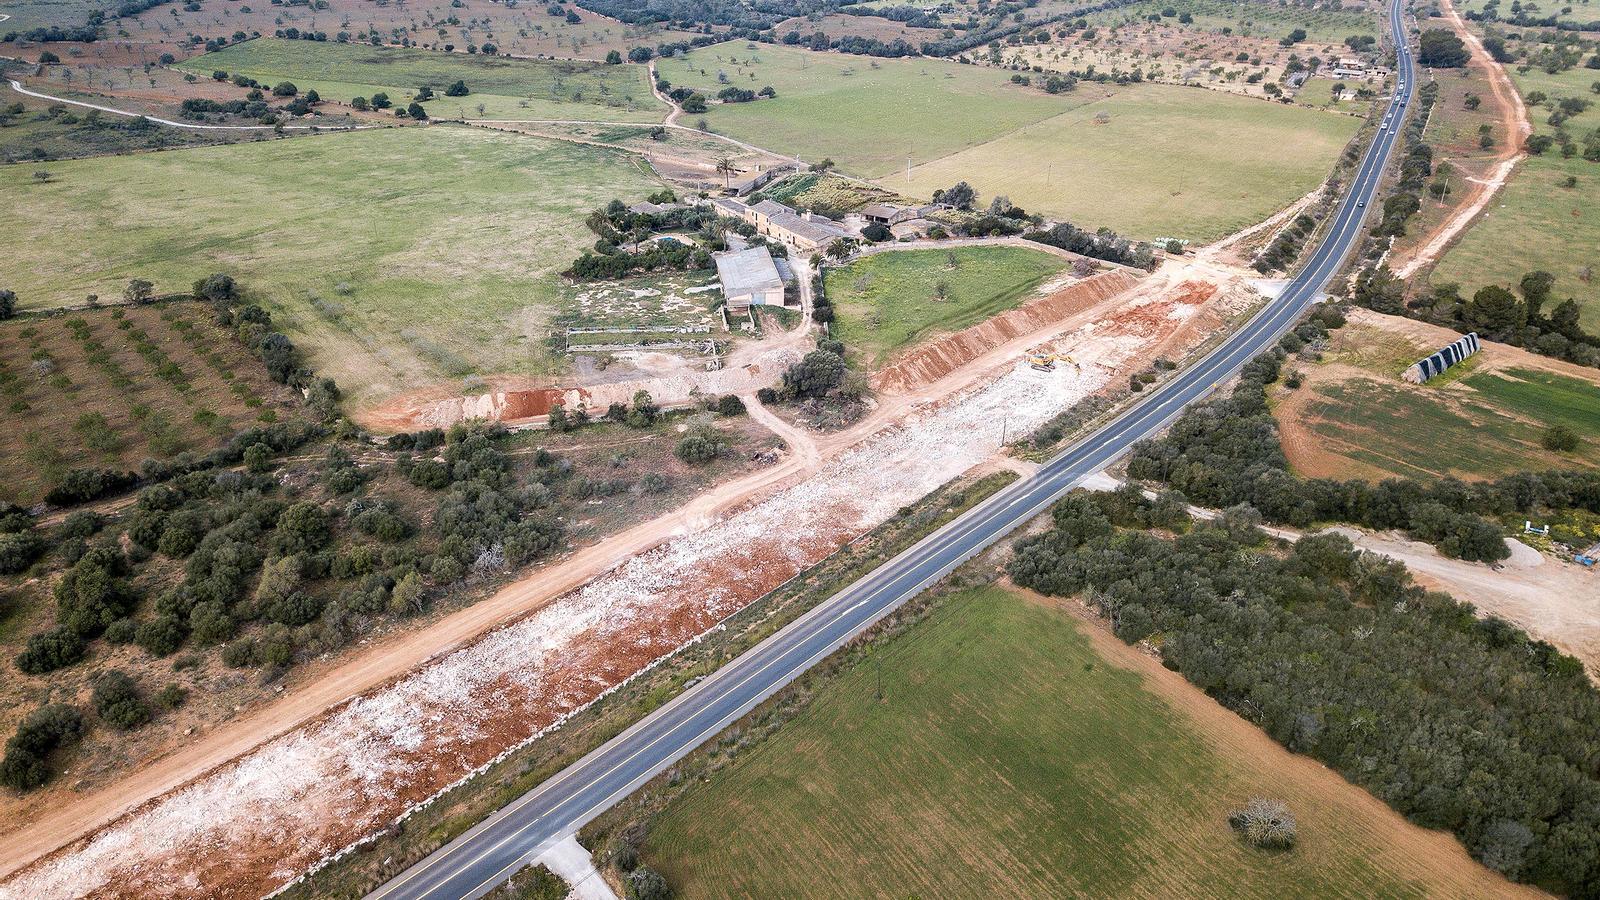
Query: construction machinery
[1045,361]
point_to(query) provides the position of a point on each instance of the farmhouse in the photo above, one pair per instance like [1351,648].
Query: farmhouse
[802,231]
[1349,68]
[749,278]
[889,213]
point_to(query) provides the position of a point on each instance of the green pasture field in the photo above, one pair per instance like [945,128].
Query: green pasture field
[1574,82]
[1009,756]
[1536,223]
[1395,429]
[398,258]
[1322,26]
[506,88]
[1167,161]
[887,300]
[1576,11]
[865,114]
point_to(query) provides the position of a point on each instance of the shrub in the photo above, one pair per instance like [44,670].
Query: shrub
[701,445]
[172,696]
[1264,823]
[50,650]
[18,551]
[117,701]
[1560,439]
[161,636]
[730,405]
[815,375]
[645,883]
[45,729]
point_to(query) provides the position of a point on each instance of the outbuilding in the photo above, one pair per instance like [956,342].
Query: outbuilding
[749,278]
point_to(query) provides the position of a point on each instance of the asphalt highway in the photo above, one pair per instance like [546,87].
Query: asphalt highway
[483,857]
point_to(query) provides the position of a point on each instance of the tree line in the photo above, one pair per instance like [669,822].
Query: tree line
[1227,452]
[1458,722]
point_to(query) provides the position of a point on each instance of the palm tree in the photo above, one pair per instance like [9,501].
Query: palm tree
[725,168]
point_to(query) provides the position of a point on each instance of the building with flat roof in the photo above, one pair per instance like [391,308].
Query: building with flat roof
[749,278]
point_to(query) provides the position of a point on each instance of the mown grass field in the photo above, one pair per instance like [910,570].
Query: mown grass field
[108,388]
[1166,161]
[887,301]
[506,88]
[1483,419]
[399,258]
[866,114]
[1013,756]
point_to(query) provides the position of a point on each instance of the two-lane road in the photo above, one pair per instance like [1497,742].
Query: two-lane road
[480,859]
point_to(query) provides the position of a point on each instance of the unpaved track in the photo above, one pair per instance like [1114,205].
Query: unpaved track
[372,668]
[17,86]
[1513,122]
[380,665]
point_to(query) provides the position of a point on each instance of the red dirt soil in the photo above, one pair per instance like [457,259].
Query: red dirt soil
[926,364]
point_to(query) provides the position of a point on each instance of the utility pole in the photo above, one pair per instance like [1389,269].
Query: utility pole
[878,664]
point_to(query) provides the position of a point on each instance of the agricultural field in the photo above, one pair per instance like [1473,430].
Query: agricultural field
[1154,161]
[1574,12]
[1354,417]
[500,88]
[1538,221]
[42,130]
[890,300]
[868,115]
[108,388]
[1021,750]
[1175,52]
[396,258]
[25,15]
[1255,19]
[521,30]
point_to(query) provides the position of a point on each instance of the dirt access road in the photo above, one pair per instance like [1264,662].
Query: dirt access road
[378,666]
[1513,122]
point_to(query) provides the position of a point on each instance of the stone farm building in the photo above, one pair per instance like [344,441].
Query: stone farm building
[805,232]
[749,278]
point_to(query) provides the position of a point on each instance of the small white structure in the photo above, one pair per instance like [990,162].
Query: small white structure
[749,278]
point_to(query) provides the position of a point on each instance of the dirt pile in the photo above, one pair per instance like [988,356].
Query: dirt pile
[933,361]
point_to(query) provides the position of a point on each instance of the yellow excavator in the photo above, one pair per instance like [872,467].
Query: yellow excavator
[1045,361]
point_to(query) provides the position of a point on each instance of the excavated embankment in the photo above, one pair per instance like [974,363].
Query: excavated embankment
[933,361]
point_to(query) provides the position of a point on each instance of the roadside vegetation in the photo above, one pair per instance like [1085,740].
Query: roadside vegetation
[1459,723]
